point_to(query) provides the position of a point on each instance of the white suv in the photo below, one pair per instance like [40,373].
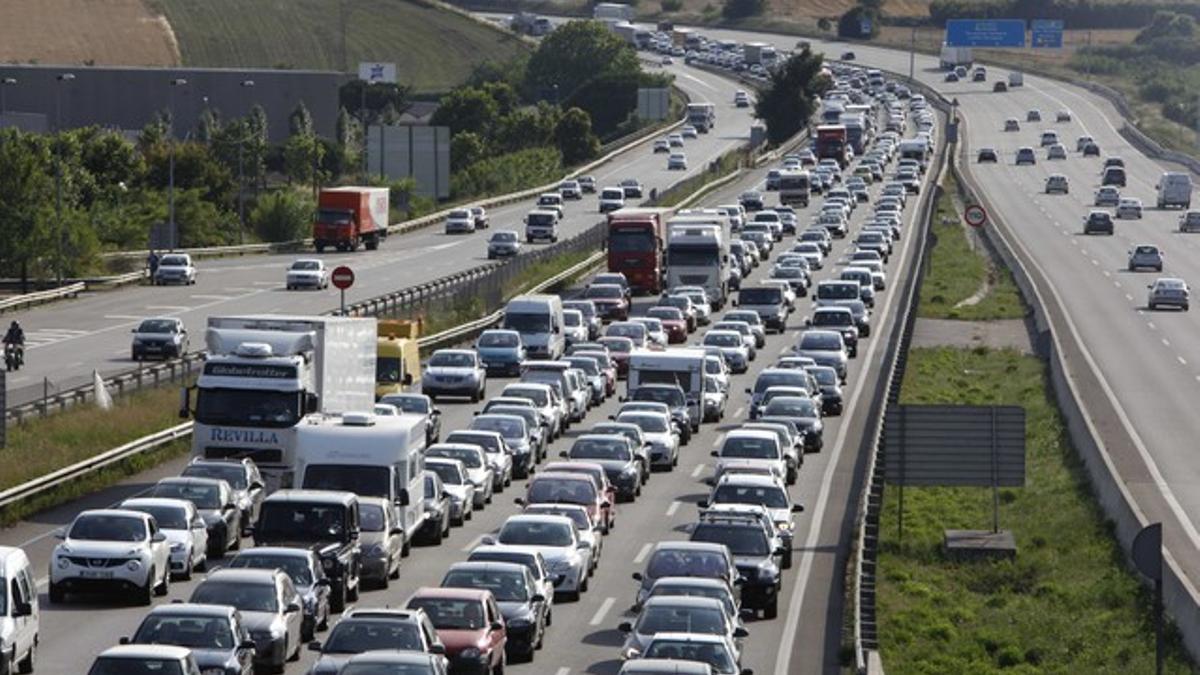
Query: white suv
[109,549]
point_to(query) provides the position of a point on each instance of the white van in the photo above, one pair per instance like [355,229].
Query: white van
[539,320]
[19,619]
[369,455]
[1174,189]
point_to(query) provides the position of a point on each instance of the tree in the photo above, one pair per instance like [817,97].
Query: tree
[787,102]
[201,222]
[113,164]
[256,146]
[525,128]
[196,167]
[824,25]
[379,96]
[852,23]
[740,9]
[573,55]
[26,199]
[283,215]
[302,157]
[466,109]
[466,148]
[207,125]
[574,138]
[300,121]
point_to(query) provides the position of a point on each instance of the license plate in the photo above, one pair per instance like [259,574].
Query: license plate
[96,574]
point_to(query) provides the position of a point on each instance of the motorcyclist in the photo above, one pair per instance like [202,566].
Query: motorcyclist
[15,337]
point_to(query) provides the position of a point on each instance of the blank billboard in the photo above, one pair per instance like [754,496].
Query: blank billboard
[422,152]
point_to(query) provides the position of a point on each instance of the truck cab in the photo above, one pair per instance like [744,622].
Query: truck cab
[369,455]
[350,216]
[635,246]
[397,356]
[698,255]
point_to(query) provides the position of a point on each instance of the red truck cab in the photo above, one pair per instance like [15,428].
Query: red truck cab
[350,216]
[635,246]
[831,143]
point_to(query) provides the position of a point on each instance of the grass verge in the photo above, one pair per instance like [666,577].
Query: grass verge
[1066,604]
[725,165]
[43,445]
[957,271]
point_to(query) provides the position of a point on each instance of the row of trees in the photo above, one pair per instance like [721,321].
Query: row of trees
[788,101]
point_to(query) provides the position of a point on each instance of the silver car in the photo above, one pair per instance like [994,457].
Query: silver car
[307,574]
[1168,292]
[503,244]
[270,606]
[1145,255]
[457,485]
[307,273]
[475,462]
[382,541]
[164,337]
[679,613]
[455,372]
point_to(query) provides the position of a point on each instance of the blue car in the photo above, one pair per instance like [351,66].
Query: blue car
[501,351]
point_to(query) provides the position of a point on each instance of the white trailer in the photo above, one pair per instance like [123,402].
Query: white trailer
[263,374]
[681,366]
[698,255]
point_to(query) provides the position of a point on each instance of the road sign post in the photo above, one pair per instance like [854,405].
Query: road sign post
[975,215]
[1147,558]
[342,278]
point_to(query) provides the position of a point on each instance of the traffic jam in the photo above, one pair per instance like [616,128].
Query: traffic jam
[357,509]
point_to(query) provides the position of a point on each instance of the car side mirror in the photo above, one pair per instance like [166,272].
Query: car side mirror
[198,524]
[740,632]
[396,530]
[323,582]
[605,504]
[781,550]
[256,485]
[314,646]
[292,608]
[537,597]
[439,649]
[746,671]
[714,453]
[746,613]
[703,503]
[311,402]
[487,540]
[797,508]
[249,646]
[402,498]
[625,627]
[637,576]
[407,379]
[496,625]
[158,537]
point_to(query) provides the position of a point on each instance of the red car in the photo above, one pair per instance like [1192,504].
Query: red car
[469,623]
[673,322]
[619,349]
[607,366]
[581,483]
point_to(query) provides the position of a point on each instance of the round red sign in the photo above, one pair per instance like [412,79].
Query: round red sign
[342,277]
[975,215]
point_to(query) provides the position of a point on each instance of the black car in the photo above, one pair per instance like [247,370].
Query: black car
[422,406]
[676,400]
[1000,87]
[214,502]
[622,465]
[751,200]
[758,560]
[323,521]
[987,155]
[525,610]
[242,475]
[1100,222]
[1091,150]
[219,640]
[848,56]
[831,389]
[437,510]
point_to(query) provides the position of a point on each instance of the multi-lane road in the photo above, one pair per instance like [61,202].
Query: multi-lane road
[67,340]
[805,638]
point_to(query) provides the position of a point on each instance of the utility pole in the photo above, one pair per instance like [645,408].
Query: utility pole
[174,235]
[62,79]
[912,55]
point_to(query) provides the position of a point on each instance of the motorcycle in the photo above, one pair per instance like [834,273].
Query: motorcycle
[14,356]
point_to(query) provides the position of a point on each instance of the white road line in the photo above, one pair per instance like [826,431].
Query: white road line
[1151,325]
[598,617]
[738,412]
[1182,361]
[673,508]
[1166,342]
[265,283]
[562,671]
[170,308]
[717,440]
[202,296]
[1129,297]
[645,550]
[123,317]
[698,470]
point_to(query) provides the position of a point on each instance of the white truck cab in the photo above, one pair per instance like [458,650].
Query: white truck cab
[20,616]
[539,320]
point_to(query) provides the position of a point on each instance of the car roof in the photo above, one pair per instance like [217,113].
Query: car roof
[313,497]
[691,601]
[146,652]
[486,566]
[691,546]
[193,609]
[163,502]
[393,657]
[281,551]
[480,594]
[243,575]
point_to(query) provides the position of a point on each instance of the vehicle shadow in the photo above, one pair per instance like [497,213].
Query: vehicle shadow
[605,638]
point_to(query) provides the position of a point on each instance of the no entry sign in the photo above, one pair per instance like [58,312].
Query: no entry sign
[342,277]
[975,215]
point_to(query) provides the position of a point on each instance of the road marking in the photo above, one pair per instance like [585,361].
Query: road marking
[123,317]
[202,296]
[1182,361]
[170,308]
[562,671]
[598,617]
[673,508]
[738,412]
[1129,297]
[1166,342]
[1151,325]
[1109,274]
[698,470]
[265,283]
[718,439]
[645,550]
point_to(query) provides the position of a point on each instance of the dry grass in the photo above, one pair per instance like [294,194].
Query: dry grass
[806,11]
[109,32]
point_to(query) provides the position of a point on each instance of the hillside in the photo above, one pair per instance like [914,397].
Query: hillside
[108,32]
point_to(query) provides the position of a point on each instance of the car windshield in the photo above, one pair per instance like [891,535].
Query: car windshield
[371,517]
[1146,250]
[698,591]
[506,586]
[741,540]
[147,665]
[538,396]
[530,533]
[614,193]
[760,296]
[647,423]
[729,339]
[496,339]
[167,517]
[681,620]
[685,563]
[551,490]
[452,360]
[672,397]
[108,528]
[459,214]
[234,474]
[833,319]
[310,265]
[468,456]
[791,406]
[173,261]
[291,521]
[746,447]
[246,597]
[355,636]
[186,630]
[578,516]
[604,291]
[506,427]
[825,376]
[588,365]
[408,403]
[203,496]
[665,313]
[361,479]
[295,566]
[451,613]
[504,237]
[820,341]
[770,497]
[597,448]
[527,322]
[156,326]
[572,319]
[768,380]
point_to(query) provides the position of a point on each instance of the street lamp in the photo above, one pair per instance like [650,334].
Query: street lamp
[246,84]
[63,79]
[176,82]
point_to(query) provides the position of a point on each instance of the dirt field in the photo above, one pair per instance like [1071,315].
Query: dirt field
[109,32]
[803,11]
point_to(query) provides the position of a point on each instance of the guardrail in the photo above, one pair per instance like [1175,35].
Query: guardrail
[38,297]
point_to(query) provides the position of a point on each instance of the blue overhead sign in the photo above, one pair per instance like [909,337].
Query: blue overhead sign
[985,33]
[1046,33]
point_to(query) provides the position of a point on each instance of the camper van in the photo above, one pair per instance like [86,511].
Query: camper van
[369,455]
[539,320]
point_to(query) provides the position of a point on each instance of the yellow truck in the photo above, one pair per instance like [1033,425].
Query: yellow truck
[397,356]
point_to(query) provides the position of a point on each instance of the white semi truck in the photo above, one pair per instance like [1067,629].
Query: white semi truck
[263,374]
[698,255]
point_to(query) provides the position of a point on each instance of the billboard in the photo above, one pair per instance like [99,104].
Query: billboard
[985,33]
[653,104]
[403,150]
[377,72]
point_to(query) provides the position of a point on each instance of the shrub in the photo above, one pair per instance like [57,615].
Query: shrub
[284,215]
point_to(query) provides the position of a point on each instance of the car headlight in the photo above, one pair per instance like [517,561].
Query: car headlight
[328,564]
[470,653]
[63,563]
[375,549]
[133,565]
[785,526]
[177,546]
[278,632]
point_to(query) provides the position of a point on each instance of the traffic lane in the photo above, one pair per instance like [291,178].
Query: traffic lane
[67,338]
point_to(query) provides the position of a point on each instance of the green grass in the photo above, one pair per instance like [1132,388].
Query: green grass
[727,164]
[42,445]
[433,48]
[1066,604]
[956,272]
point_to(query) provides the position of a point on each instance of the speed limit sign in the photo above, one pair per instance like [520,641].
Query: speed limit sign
[975,215]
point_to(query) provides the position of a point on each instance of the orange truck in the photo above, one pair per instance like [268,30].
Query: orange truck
[350,216]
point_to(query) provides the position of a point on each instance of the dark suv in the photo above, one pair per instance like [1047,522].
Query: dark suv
[1098,222]
[757,557]
[681,410]
[325,522]
[840,319]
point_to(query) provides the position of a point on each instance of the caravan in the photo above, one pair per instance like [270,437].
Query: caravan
[369,455]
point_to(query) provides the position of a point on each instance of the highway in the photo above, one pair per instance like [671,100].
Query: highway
[67,340]
[805,638]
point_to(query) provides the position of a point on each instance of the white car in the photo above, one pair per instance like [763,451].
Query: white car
[460,221]
[663,145]
[175,268]
[1057,183]
[1056,151]
[611,199]
[308,273]
[145,659]
[556,538]
[1129,208]
[184,528]
[570,189]
[689,131]
[677,162]
[675,140]
[658,432]
[551,201]
[111,549]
